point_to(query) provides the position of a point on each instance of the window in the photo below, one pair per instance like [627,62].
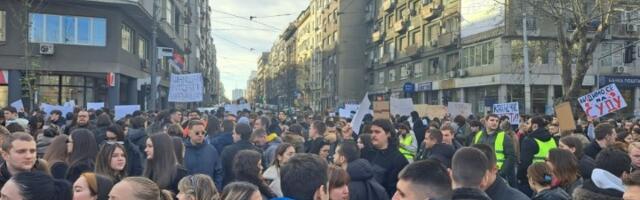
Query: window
[401,43]
[415,37]
[142,48]
[404,72]
[392,49]
[168,11]
[381,51]
[417,69]
[127,40]
[335,36]
[477,55]
[67,30]
[381,77]
[611,54]
[392,75]
[452,62]
[401,13]
[390,21]
[434,65]
[3,25]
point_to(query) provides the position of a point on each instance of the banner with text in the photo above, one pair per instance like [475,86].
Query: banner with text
[459,108]
[431,111]
[510,110]
[603,101]
[186,88]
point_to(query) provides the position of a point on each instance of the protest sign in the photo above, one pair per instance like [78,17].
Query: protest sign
[186,88]
[459,108]
[95,105]
[18,105]
[603,101]
[431,111]
[402,107]
[344,113]
[124,110]
[381,110]
[565,117]
[510,110]
[351,107]
[363,109]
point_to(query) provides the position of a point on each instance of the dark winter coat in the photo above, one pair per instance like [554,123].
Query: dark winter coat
[592,150]
[227,156]
[552,194]
[469,194]
[590,191]
[89,126]
[441,152]
[100,134]
[528,149]
[77,168]
[363,185]
[203,159]
[5,175]
[386,164]
[58,170]
[586,165]
[135,159]
[220,141]
[499,190]
[138,137]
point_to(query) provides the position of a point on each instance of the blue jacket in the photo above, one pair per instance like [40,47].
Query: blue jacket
[203,159]
[220,141]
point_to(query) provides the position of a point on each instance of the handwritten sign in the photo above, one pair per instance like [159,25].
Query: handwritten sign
[124,110]
[510,110]
[602,101]
[459,108]
[402,107]
[565,117]
[431,111]
[381,110]
[186,88]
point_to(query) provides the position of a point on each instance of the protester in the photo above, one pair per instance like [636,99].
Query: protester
[200,157]
[197,187]
[606,180]
[136,134]
[385,154]
[573,144]
[241,136]
[19,154]
[495,186]
[162,167]
[448,137]
[632,183]
[564,168]
[36,124]
[338,183]
[316,136]
[57,155]
[364,141]
[534,148]
[605,136]
[425,179]
[81,121]
[468,170]
[540,179]
[82,149]
[11,116]
[178,149]
[102,123]
[418,127]
[247,167]
[91,186]
[223,139]
[284,152]
[116,135]
[111,161]
[501,142]
[55,117]
[45,138]
[241,191]
[138,188]
[407,140]
[362,185]
[36,186]
[304,177]
[434,148]
[634,154]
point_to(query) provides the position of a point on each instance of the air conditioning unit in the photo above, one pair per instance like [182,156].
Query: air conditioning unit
[453,74]
[462,72]
[632,28]
[618,70]
[46,49]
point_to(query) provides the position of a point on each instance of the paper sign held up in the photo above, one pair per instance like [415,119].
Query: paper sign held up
[431,111]
[459,108]
[565,117]
[603,101]
[510,110]
[381,110]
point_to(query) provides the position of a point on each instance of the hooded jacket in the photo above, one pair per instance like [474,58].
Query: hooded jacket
[134,159]
[386,165]
[552,194]
[528,149]
[138,137]
[219,141]
[603,185]
[441,152]
[363,185]
[203,159]
[226,158]
[499,190]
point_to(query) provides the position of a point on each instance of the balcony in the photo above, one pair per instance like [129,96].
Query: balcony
[431,11]
[400,26]
[451,9]
[386,58]
[447,39]
[388,5]
[377,36]
[413,50]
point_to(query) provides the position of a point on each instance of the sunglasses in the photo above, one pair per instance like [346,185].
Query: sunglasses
[200,133]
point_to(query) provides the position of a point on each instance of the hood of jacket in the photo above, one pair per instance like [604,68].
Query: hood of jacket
[606,180]
[360,170]
[541,134]
[136,134]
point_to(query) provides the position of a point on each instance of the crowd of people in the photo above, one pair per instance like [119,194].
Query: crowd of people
[217,155]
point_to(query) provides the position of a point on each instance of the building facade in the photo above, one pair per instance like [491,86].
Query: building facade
[237,94]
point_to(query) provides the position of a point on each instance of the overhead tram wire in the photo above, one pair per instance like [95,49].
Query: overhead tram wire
[234,43]
[246,18]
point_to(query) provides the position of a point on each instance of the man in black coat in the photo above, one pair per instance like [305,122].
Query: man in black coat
[434,148]
[605,136]
[81,121]
[241,137]
[363,185]
[529,148]
[496,187]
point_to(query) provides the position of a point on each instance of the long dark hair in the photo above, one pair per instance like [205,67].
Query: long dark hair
[84,146]
[39,185]
[179,149]
[57,150]
[162,168]
[103,161]
[279,152]
[565,166]
[388,128]
[245,168]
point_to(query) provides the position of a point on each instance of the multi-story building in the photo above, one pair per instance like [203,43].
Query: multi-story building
[472,51]
[260,81]
[96,51]
[200,48]
[252,83]
[237,94]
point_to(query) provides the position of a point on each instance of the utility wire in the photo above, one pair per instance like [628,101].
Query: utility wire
[246,18]
[234,43]
[270,16]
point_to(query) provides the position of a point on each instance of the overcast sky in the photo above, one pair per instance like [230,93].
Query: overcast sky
[239,42]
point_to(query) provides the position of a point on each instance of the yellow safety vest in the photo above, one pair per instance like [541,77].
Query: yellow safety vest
[498,147]
[406,141]
[543,149]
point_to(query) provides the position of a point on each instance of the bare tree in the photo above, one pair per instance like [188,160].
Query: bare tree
[21,22]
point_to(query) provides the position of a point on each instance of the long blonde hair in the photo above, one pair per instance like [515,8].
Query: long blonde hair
[199,186]
[146,189]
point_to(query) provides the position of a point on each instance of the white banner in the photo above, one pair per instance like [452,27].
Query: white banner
[363,109]
[124,110]
[458,108]
[603,101]
[95,105]
[186,88]
[18,105]
[402,107]
[510,110]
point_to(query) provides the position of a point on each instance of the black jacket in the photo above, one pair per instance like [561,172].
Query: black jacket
[363,185]
[552,194]
[59,170]
[469,194]
[592,150]
[135,159]
[386,164]
[227,156]
[441,152]
[5,175]
[586,164]
[89,126]
[76,169]
[499,190]
[528,149]
[590,191]
[100,134]
[138,137]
